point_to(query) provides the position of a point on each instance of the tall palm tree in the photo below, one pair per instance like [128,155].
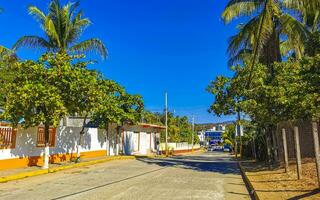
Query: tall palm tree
[63,26]
[309,13]
[259,38]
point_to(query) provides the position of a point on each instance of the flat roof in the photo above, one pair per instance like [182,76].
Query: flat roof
[151,125]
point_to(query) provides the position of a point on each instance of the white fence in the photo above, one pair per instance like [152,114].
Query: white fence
[179,146]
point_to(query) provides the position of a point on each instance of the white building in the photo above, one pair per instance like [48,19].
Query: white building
[25,147]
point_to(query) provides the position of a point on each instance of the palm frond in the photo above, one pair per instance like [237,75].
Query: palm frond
[244,38]
[5,51]
[238,8]
[91,45]
[242,56]
[52,33]
[37,14]
[296,33]
[308,10]
[32,42]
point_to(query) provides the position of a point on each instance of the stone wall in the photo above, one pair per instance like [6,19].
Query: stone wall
[305,137]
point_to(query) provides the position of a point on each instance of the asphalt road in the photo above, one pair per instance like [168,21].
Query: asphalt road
[197,176]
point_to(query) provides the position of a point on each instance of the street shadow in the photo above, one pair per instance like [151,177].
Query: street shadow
[285,190]
[309,194]
[273,181]
[205,164]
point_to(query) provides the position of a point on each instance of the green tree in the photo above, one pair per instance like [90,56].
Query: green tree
[259,38]
[63,26]
[80,92]
[115,106]
[32,97]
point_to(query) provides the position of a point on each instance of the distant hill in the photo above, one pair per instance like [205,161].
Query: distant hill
[206,126]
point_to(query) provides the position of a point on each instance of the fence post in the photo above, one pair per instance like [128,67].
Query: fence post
[268,150]
[316,148]
[274,145]
[298,152]
[285,149]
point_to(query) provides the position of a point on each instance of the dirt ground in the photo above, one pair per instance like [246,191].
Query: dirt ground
[276,184]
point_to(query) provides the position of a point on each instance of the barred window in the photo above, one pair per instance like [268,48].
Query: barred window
[41,137]
[7,137]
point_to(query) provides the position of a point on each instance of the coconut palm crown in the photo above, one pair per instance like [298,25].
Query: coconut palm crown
[63,26]
[260,37]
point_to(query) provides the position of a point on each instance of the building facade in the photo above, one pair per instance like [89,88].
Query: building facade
[212,136]
[25,147]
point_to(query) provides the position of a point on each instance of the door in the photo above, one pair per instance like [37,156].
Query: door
[136,138]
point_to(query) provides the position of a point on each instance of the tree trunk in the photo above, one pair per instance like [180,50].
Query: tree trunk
[107,138]
[268,147]
[274,145]
[316,149]
[238,131]
[80,139]
[254,149]
[285,150]
[271,50]
[298,153]
[236,146]
[46,148]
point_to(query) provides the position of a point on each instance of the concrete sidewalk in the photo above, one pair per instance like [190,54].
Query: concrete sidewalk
[19,173]
[210,175]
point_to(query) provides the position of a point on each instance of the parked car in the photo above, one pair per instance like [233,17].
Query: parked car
[226,148]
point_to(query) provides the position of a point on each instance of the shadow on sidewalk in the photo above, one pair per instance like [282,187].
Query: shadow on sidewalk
[309,194]
[221,165]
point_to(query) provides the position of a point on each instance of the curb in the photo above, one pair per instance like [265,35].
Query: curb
[249,185]
[57,169]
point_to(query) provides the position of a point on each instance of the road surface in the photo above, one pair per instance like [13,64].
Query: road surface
[198,176]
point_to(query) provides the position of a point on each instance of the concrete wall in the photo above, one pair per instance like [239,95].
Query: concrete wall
[305,137]
[145,142]
[94,143]
[66,141]
[179,146]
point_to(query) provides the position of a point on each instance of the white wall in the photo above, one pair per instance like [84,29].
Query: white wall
[144,146]
[66,141]
[179,146]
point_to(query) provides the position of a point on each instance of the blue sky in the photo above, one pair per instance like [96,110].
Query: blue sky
[154,46]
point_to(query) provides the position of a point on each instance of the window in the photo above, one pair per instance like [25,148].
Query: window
[41,137]
[7,137]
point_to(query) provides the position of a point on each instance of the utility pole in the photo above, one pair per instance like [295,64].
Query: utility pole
[166,111]
[192,131]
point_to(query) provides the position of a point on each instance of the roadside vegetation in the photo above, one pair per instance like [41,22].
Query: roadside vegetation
[274,60]
[42,91]
[58,84]
[179,127]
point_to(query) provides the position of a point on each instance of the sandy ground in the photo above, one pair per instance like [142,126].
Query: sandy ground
[276,184]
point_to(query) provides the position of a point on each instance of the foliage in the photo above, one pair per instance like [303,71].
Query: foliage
[32,96]
[179,128]
[63,26]
[115,105]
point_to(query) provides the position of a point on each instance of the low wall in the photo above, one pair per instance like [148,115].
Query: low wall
[183,147]
[305,139]
[26,153]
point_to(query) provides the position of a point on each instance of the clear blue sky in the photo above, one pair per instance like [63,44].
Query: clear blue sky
[154,46]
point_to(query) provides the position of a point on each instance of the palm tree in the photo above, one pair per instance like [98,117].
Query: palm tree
[259,38]
[309,13]
[63,26]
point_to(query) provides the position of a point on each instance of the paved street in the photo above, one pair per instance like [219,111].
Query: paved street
[198,176]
